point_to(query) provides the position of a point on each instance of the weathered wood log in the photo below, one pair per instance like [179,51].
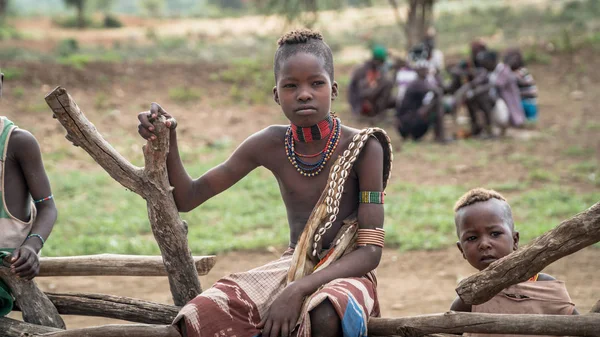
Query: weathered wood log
[151,182]
[13,328]
[119,330]
[37,308]
[596,308]
[571,235]
[109,306]
[461,322]
[114,265]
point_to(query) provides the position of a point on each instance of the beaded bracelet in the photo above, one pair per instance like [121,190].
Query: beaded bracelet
[44,199]
[369,197]
[374,237]
[36,236]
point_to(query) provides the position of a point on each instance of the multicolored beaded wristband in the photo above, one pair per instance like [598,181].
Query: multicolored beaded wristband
[36,236]
[43,199]
[374,237]
[369,197]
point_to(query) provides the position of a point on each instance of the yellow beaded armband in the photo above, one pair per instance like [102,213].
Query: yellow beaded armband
[369,197]
[374,237]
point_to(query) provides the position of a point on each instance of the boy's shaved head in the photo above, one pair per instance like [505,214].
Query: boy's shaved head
[481,195]
[303,41]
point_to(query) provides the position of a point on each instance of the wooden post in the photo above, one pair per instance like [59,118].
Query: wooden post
[461,322]
[119,330]
[571,235]
[151,183]
[36,307]
[12,328]
[109,306]
[114,265]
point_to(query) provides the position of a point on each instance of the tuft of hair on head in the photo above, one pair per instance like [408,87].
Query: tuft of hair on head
[297,36]
[303,41]
[481,195]
[477,195]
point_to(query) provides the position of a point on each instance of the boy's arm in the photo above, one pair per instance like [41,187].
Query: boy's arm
[189,193]
[25,260]
[285,310]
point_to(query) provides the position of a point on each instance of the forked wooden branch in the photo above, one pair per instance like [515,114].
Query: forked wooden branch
[13,328]
[119,330]
[37,308]
[461,322]
[114,265]
[109,306]
[571,235]
[151,183]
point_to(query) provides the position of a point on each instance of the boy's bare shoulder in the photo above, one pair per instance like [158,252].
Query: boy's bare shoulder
[270,135]
[371,145]
[21,139]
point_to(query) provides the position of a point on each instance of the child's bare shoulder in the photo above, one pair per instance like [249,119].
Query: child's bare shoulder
[21,139]
[371,144]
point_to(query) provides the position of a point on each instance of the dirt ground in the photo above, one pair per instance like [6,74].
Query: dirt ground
[410,283]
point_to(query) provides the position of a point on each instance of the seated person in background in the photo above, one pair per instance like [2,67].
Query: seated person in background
[526,83]
[486,233]
[370,88]
[404,76]
[421,107]
[435,56]
[503,84]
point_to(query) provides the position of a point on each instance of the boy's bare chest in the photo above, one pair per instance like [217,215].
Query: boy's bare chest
[303,192]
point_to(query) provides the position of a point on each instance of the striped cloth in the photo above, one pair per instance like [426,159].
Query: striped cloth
[236,304]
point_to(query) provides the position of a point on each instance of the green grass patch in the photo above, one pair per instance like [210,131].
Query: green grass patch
[578,151]
[184,94]
[593,126]
[12,73]
[97,215]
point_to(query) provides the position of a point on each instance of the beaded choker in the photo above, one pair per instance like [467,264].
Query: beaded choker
[308,169]
[315,132]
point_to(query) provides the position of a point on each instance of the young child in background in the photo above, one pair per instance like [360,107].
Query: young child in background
[486,233]
[514,59]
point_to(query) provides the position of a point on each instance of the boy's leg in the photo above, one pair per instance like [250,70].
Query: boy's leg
[325,322]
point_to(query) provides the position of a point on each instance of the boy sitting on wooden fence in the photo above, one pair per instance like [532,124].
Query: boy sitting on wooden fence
[27,210]
[486,233]
[323,284]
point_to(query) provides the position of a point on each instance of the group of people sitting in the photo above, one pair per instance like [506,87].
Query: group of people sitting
[496,93]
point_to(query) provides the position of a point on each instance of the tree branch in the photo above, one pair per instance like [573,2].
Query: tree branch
[12,328]
[81,132]
[571,235]
[151,183]
[120,330]
[114,265]
[458,323]
[117,307]
[37,308]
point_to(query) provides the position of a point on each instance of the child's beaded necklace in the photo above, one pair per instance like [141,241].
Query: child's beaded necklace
[328,127]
